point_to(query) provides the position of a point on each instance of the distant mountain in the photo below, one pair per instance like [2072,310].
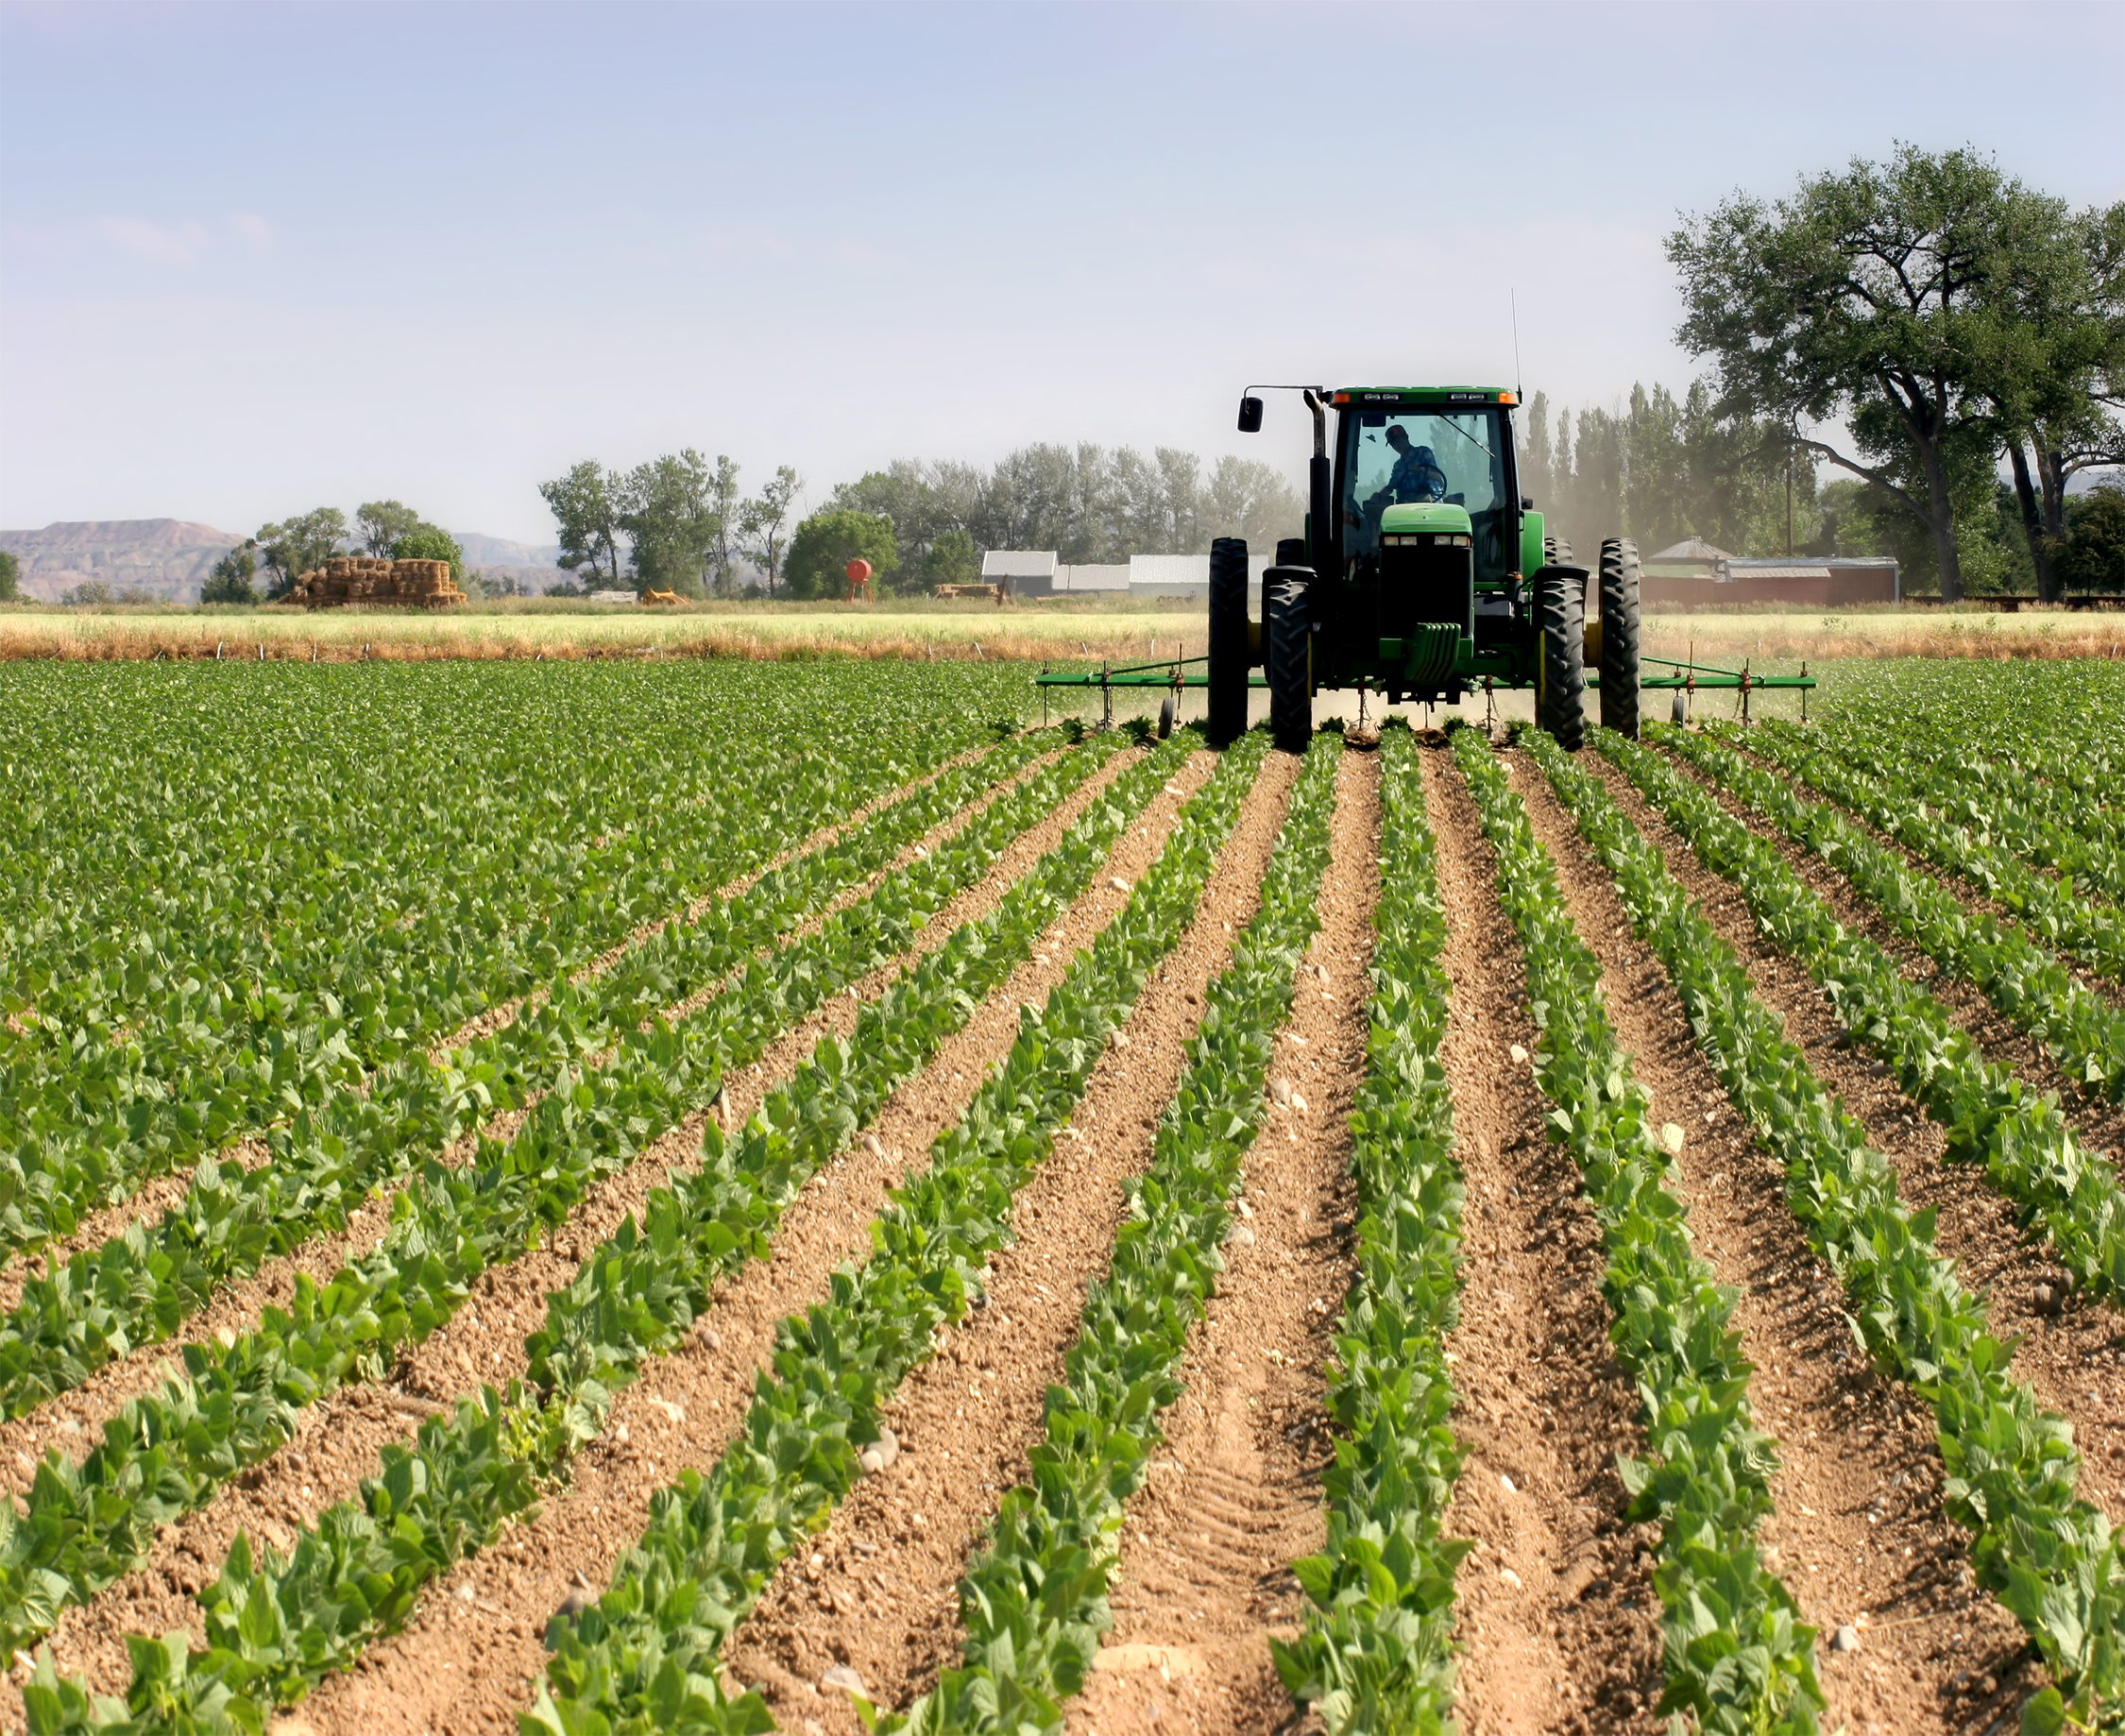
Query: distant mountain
[167,558]
[499,551]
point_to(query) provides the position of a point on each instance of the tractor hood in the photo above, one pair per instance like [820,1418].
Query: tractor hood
[1439,518]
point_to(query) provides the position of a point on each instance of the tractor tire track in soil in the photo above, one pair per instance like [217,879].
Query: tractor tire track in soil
[485,1342]
[237,1309]
[164,1193]
[1859,1534]
[1558,1619]
[467,1660]
[2074,1361]
[1233,1495]
[2096,1122]
[879,1589]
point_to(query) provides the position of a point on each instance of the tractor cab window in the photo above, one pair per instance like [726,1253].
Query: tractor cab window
[1394,457]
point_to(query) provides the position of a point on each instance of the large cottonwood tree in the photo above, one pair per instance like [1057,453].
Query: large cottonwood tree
[1862,298]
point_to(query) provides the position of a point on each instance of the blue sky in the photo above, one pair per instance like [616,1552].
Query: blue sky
[258,258]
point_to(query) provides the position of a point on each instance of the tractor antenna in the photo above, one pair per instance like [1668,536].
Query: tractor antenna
[1519,386]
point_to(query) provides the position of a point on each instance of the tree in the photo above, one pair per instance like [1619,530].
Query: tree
[827,541]
[299,546]
[230,579]
[427,543]
[670,516]
[1663,468]
[952,559]
[2055,365]
[2092,556]
[586,504]
[761,520]
[10,576]
[381,523]
[1861,297]
[726,504]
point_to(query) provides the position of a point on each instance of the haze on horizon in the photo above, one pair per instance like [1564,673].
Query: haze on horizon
[254,259]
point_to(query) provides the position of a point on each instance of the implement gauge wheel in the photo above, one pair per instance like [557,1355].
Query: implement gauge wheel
[1228,640]
[1619,636]
[1289,631]
[1560,694]
[1169,710]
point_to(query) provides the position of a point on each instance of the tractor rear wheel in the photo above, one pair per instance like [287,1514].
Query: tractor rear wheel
[1291,646]
[1560,694]
[1228,640]
[1619,636]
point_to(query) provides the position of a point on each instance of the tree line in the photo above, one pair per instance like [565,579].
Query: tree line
[682,524]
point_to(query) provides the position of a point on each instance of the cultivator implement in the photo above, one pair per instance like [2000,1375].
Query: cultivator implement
[1175,676]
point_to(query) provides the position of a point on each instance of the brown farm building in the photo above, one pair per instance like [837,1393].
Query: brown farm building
[1693,575]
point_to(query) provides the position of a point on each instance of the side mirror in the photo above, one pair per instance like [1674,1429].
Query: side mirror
[1250,416]
[1527,502]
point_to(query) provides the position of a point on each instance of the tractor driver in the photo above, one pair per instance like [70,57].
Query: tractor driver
[1415,476]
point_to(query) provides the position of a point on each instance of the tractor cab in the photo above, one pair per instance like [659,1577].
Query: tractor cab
[1427,519]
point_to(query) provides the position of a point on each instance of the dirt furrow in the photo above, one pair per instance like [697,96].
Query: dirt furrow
[1558,1619]
[467,1660]
[879,1590]
[2095,1121]
[1233,1495]
[483,1342]
[1859,1534]
[2072,1360]
[237,1309]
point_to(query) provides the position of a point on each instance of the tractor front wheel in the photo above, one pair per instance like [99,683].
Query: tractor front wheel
[1229,657]
[1619,636]
[1291,669]
[1560,695]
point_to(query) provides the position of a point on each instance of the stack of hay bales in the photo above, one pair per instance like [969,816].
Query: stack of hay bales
[353,579]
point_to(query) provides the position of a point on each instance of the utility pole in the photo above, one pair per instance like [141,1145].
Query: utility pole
[1789,499]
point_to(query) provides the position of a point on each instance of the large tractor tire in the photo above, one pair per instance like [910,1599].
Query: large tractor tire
[1560,694]
[1619,636]
[1288,629]
[1229,657]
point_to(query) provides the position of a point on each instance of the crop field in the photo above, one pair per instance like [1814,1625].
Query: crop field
[725,1195]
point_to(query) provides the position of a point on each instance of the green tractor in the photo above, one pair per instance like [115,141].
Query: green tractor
[1424,575]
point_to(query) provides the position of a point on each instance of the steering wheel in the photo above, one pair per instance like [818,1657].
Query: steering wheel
[1428,484]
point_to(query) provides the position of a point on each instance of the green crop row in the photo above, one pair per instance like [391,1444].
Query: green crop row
[643,1658]
[2042,721]
[1375,1653]
[2054,911]
[141,1284]
[88,1124]
[1033,1602]
[2083,1031]
[1736,1655]
[230,830]
[1992,1116]
[276,1629]
[207,983]
[170,1451]
[2011,1466]
[2039,821]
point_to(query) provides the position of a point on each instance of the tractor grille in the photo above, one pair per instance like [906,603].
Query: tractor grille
[1425,578]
